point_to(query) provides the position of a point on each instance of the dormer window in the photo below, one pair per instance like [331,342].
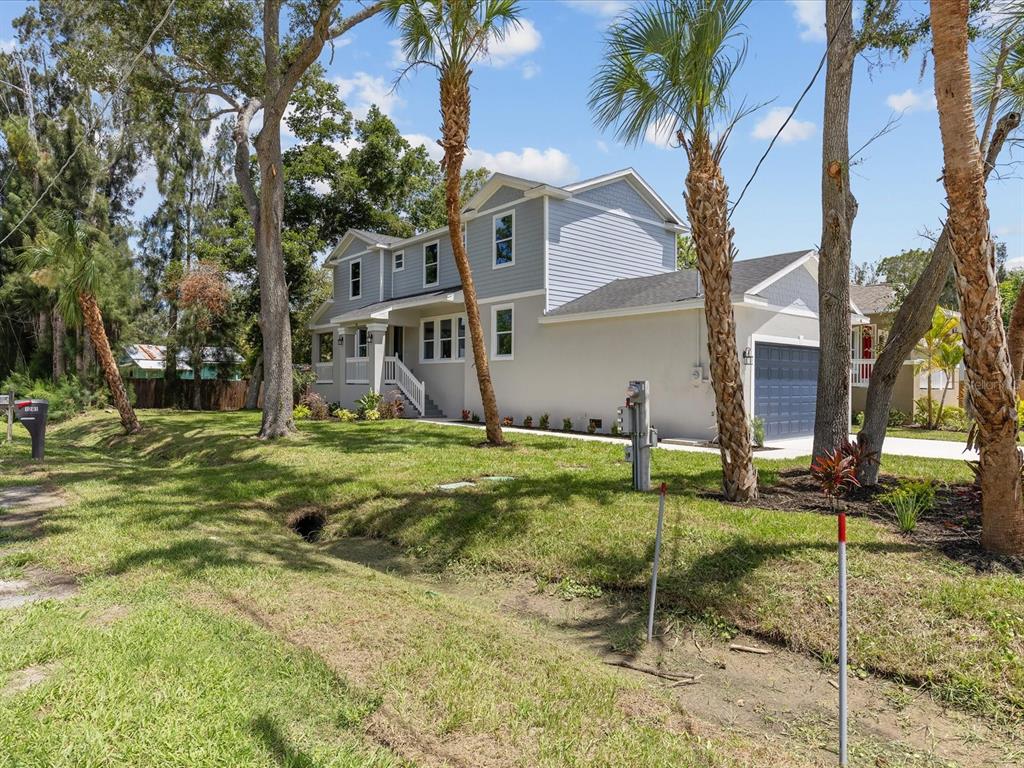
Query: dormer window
[355,279]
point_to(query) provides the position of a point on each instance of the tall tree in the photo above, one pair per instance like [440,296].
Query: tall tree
[670,63]
[449,35]
[989,377]
[72,261]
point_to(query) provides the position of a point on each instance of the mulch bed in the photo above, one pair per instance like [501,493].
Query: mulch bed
[952,527]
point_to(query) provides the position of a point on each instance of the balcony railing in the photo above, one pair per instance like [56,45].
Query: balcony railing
[324,373]
[357,370]
[860,371]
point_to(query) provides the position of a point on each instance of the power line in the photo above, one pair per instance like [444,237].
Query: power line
[86,134]
[789,117]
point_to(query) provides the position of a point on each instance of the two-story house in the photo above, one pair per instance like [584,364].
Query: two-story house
[579,294]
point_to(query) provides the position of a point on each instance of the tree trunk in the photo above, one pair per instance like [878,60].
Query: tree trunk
[1015,337]
[59,330]
[197,377]
[931,420]
[838,209]
[911,322]
[93,322]
[989,376]
[707,206]
[455,102]
[80,338]
[252,392]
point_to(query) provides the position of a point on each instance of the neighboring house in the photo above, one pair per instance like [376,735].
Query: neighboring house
[148,361]
[877,306]
[579,294]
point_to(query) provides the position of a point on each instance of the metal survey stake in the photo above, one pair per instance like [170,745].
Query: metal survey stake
[842,638]
[657,555]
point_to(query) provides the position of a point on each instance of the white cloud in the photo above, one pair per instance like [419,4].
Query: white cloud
[810,15]
[911,101]
[605,9]
[530,70]
[363,90]
[519,40]
[661,133]
[398,59]
[602,146]
[549,165]
[796,130]
[8,46]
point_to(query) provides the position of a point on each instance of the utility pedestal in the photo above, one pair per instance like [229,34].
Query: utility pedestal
[635,420]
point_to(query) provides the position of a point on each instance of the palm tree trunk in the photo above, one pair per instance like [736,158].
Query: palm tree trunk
[989,375]
[455,103]
[1015,337]
[911,323]
[942,397]
[708,209]
[93,321]
[931,420]
[59,331]
[838,209]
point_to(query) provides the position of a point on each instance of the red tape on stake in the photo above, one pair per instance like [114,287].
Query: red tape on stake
[842,527]
[664,488]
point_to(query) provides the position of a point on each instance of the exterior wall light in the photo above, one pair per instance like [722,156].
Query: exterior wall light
[748,356]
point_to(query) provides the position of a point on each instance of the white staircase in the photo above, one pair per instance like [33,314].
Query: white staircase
[414,390]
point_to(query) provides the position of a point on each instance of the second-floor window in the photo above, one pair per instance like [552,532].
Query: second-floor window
[430,264]
[504,231]
[399,261]
[355,279]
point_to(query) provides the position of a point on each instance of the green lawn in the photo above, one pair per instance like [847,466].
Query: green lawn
[182,529]
[920,433]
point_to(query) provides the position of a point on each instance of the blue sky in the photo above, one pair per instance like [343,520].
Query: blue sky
[530,118]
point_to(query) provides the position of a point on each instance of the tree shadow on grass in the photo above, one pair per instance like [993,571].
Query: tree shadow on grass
[276,742]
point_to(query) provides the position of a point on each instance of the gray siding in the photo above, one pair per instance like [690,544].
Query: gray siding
[798,287]
[621,195]
[590,248]
[502,196]
[370,283]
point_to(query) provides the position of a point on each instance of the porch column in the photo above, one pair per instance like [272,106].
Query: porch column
[376,334]
[341,352]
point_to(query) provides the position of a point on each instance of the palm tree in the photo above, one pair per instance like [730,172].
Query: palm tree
[449,35]
[990,384]
[933,349]
[69,258]
[668,65]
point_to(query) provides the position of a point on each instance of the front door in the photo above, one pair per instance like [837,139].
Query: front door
[397,341]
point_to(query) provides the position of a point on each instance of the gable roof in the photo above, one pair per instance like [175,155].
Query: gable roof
[635,180]
[372,240]
[683,285]
[874,298]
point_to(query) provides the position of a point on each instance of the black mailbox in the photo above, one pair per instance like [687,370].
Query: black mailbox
[32,413]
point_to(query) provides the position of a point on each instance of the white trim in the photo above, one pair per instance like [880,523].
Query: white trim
[335,262]
[495,357]
[546,239]
[380,262]
[352,296]
[494,239]
[394,257]
[756,302]
[438,276]
[670,226]
[603,314]
[511,296]
[436,319]
[319,311]
[799,262]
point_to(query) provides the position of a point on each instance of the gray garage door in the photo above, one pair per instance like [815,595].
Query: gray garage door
[785,389]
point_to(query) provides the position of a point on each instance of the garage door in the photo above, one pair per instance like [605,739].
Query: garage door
[785,389]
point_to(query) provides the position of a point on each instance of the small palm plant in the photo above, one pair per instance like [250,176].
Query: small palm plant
[668,67]
[449,35]
[71,258]
[938,348]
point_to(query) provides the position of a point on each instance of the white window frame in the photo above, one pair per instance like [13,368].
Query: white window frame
[494,331]
[363,334]
[351,264]
[436,320]
[394,261]
[494,240]
[436,243]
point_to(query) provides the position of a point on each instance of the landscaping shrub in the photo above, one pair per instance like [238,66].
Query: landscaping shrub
[545,421]
[616,429]
[507,421]
[567,425]
[318,410]
[334,408]
[466,415]
[475,418]
[303,379]
[67,397]
[371,414]
[835,474]
[392,406]
[909,501]
[369,402]
[858,453]
[528,422]
[897,418]
[757,431]
[346,415]
[954,419]
[301,412]
[858,419]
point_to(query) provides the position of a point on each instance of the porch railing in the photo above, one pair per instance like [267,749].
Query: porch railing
[860,371]
[357,370]
[324,373]
[395,372]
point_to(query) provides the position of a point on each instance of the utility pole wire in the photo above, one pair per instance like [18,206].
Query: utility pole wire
[86,134]
[792,112]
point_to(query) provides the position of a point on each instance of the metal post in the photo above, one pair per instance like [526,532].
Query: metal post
[10,417]
[657,557]
[842,639]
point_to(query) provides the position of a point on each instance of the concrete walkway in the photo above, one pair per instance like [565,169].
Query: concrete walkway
[780,449]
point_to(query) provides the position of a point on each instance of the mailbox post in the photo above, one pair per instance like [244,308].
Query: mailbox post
[7,401]
[635,420]
[32,414]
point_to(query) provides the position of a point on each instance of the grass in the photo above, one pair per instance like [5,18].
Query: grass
[183,527]
[920,433]
[207,634]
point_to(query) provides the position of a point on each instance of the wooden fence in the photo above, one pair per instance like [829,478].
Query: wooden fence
[215,395]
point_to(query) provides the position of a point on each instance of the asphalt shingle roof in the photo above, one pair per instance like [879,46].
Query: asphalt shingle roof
[673,286]
[874,298]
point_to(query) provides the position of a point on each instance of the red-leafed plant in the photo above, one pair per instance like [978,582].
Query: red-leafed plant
[859,453]
[836,473]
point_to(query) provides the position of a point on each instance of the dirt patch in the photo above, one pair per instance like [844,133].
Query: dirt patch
[952,527]
[108,616]
[415,743]
[34,585]
[308,523]
[23,679]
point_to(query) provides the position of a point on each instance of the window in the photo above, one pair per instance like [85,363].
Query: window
[501,332]
[504,232]
[430,265]
[443,339]
[355,279]
[399,261]
[361,350]
[325,350]
[428,340]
